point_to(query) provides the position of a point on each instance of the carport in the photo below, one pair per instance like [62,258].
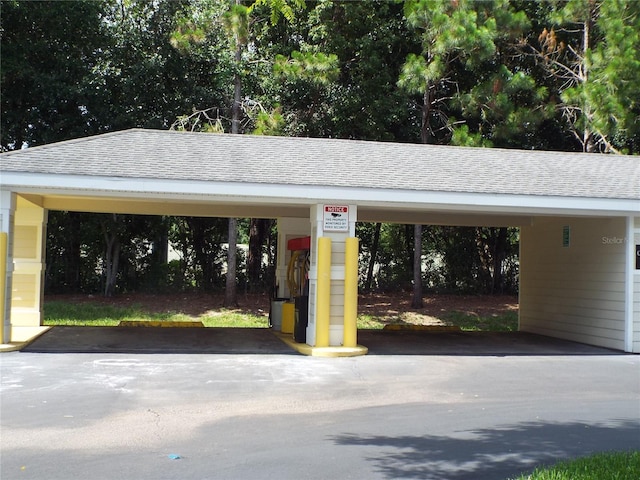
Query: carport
[578,214]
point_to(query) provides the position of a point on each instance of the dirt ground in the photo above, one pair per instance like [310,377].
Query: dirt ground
[384,306]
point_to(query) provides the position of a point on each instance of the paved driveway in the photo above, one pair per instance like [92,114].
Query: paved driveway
[282,415]
[263,341]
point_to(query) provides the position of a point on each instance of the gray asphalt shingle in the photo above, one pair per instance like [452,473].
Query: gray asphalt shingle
[155,154]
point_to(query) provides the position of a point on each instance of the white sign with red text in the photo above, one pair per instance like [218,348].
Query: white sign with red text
[336,218]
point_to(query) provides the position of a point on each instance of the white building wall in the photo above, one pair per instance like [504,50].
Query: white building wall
[574,291]
[636,288]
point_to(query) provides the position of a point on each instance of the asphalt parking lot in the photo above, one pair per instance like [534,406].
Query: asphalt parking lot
[474,414]
[263,341]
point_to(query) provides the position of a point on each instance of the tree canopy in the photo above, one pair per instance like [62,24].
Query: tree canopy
[557,74]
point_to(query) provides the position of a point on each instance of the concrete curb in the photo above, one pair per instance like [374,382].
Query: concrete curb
[332,352]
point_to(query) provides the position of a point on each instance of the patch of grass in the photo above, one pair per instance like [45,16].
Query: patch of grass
[366,321]
[229,318]
[64,313]
[93,314]
[87,315]
[602,466]
[507,322]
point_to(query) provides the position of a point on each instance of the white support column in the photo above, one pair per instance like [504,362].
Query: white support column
[27,294]
[632,286]
[7,212]
[338,227]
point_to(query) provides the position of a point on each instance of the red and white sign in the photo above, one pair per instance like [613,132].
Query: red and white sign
[336,218]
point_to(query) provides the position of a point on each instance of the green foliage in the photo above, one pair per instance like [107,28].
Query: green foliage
[279,8]
[464,138]
[236,23]
[186,34]
[270,123]
[590,49]
[504,107]
[601,466]
[562,75]
[50,61]
[316,68]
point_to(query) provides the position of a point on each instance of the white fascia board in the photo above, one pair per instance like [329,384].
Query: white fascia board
[44,184]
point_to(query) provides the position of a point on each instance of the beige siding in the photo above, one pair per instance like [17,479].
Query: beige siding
[576,292]
[26,242]
[28,261]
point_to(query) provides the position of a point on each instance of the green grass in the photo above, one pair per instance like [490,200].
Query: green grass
[78,314]
[507,322]
[602,466]
[89,314]
[369,322]
[226,318]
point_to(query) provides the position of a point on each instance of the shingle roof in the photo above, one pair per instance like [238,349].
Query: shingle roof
[168,155]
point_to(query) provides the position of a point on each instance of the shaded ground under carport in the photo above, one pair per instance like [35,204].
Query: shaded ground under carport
[63,339]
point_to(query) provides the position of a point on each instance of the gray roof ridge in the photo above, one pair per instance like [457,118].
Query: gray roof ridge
[352,142]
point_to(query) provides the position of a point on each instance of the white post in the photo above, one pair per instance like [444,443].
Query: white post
[7,212]
[338,222]
[631,278]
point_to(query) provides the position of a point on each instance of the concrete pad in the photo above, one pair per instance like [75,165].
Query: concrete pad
[63,339]
[412,342]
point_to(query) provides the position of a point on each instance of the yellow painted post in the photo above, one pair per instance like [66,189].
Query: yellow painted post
[323,292]
[3,281]
[350,338]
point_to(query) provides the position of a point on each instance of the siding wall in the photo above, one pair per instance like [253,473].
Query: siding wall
[336,310]
[575,292]
[28,269]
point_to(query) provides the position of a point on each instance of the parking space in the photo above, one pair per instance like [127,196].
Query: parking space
[264,341]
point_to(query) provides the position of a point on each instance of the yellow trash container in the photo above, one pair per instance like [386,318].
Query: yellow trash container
[288,316]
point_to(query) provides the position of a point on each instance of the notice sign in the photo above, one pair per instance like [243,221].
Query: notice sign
[336,218]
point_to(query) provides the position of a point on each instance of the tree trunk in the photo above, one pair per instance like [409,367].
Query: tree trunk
[201,253]
[112,256]
[416,300]
[499,255]
[372,260]
[258,228]
[230,294]
[425,132]
[73,253]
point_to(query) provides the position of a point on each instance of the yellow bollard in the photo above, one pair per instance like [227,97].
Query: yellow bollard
[3,281]
[323,293]
[350,338]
